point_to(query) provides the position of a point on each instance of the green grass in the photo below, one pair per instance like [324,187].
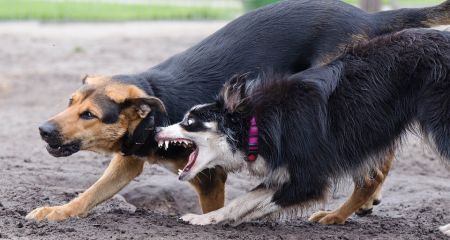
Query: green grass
[408,3]
[105,11]
[72,10]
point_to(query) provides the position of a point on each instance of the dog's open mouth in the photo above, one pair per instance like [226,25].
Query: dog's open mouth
[188,145]
[63,150]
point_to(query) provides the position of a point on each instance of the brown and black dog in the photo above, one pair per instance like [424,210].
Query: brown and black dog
[119,114]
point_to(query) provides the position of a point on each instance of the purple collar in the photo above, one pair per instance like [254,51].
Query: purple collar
[252,153]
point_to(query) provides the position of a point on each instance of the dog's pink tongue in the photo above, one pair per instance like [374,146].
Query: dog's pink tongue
[187,168]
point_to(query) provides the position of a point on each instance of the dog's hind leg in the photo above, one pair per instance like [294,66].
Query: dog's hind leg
[255,204]
[360,196]
[210,187]
[119,173]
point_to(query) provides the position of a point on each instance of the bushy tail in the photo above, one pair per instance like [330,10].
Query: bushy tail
[396,20]
[433,116]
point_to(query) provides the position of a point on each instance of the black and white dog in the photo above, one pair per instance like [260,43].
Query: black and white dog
[301,133]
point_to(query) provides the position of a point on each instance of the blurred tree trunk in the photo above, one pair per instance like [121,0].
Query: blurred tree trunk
[371,5]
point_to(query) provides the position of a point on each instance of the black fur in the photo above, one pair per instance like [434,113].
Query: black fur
[110,109]
[334,120]
[288,37]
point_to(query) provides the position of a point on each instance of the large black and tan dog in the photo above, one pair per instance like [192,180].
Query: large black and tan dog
[118,114]
[304,132]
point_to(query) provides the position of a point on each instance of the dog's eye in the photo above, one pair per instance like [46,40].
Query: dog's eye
[190,121]
[86,115]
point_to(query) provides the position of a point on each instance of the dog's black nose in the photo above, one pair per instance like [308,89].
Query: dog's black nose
[48,131]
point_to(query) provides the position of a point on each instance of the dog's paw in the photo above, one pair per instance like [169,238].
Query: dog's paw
[364,211]
[204,219]
[54,214]
[367,208]
[327,218]
[445,229]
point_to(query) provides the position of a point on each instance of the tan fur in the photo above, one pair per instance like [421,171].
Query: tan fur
[98,136]
[329,57]
[119,173]
[95,80]
[361,196]
[120,92]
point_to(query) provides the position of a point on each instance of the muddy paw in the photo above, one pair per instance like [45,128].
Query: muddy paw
[55,214]
[204,219]
[327,218]
[446,229]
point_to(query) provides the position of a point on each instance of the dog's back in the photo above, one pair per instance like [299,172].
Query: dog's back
[411,69]
[376,90]
[338,119]
[287,37]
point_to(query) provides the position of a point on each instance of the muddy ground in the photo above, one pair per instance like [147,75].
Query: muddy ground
[40,65]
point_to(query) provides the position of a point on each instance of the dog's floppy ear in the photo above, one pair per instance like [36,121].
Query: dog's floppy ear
[153,114]
[144,105]
[234,93]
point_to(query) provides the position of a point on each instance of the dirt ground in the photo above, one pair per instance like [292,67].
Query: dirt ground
[40,65]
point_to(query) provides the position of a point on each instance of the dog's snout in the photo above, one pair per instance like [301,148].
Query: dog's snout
[48,131]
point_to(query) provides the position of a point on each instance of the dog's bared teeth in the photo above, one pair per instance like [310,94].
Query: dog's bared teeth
[166,145]
[179,171]
[160,144]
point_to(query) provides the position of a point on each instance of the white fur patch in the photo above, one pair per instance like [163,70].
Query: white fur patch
[253,205]
[278,177]
[445,229]
[258,167]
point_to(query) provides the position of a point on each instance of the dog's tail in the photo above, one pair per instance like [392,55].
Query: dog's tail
[396,20]
[433,113]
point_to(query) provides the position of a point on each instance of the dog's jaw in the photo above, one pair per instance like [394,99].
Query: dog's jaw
[211,150]
[64,150]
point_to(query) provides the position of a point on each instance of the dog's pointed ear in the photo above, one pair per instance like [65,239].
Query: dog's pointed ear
[325,79]
[94,79]
[83,78]
[234,93]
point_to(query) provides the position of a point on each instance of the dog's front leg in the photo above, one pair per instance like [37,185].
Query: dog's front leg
[210,187]
[119,173]
[253,205]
